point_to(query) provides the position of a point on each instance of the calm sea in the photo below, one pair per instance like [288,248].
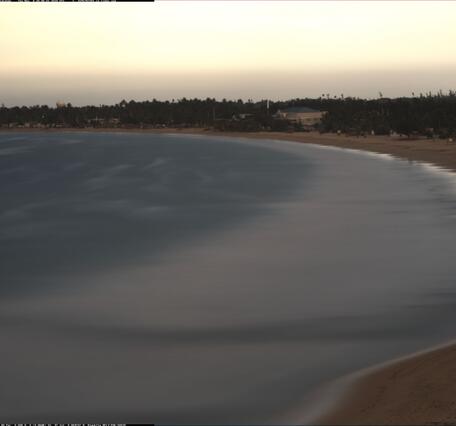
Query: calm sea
[186,279]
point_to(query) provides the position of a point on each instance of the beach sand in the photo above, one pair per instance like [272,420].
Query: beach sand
[420,389]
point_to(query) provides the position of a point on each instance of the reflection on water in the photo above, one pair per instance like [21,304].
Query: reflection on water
[176,279]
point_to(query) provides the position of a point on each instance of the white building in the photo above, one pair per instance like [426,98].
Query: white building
[303,115]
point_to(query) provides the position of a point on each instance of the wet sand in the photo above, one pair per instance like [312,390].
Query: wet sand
[420,389]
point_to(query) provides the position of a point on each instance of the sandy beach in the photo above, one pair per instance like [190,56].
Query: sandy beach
[419,389]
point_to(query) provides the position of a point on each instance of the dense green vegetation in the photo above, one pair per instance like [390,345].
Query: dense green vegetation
[424,114]
[429,114]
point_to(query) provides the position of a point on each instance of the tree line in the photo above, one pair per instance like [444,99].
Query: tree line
[424,114]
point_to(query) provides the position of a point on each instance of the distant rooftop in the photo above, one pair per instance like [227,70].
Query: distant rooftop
[299,109]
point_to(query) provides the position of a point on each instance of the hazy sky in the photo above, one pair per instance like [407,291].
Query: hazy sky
[103,52]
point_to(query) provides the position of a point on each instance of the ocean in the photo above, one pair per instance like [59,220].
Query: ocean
[196,279]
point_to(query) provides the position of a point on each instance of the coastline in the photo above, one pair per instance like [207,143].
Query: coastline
[417,389]
[409,390]
[438,152]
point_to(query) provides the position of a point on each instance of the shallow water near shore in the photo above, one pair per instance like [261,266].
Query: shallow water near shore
[189,279]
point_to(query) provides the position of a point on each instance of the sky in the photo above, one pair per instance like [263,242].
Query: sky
[94,53]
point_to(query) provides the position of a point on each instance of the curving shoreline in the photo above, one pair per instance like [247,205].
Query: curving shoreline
[419,388]
[416,389]
[439,152]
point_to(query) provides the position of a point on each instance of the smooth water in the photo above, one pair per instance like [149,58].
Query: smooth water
[186,279]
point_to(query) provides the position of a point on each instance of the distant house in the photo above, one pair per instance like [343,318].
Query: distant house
[96,121]
[302,115]
[237,117]
[114,122]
